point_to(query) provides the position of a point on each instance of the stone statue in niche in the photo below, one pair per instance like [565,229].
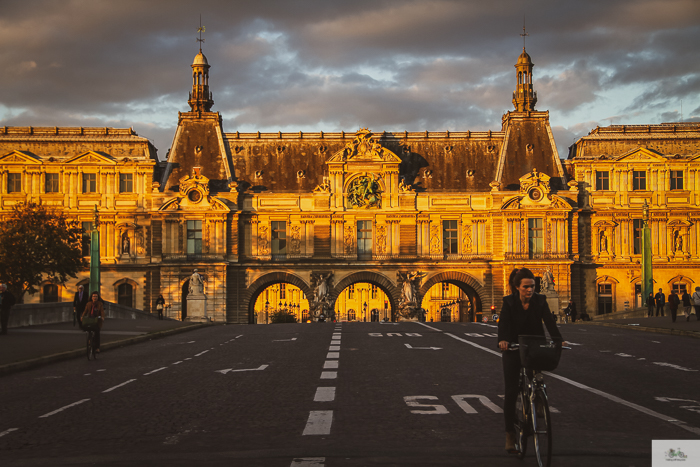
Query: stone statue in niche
[409,282]
[126,244]
[603,242]
[196,283]
[677,242]
[547,280]
[140,250]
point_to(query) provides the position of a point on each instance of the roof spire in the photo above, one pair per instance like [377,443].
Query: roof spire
[524,34]
[201,29]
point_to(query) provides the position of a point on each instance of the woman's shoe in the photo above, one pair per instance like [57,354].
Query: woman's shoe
[510,442]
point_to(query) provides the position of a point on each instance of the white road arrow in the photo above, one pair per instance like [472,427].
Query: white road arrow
[223,372]
[422,348]
[285,340]
[669,399]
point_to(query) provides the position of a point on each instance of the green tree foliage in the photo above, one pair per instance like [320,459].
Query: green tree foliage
[38,243]
[282,316]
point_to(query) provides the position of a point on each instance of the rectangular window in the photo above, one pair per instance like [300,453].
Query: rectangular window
[535,236]
[639,180]
[87,228]
[194,237]
[676,179]
[279,238]
[445,290]
[51,183]
[638,226]
[602,180]
[89,183]
[351,291]
[364,239]
[283,291]
[605,298]
[14,183]
[450,243]
[126,183]
[374,291]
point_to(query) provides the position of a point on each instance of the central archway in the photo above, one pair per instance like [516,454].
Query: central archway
[257,287]
[393,294]
[466,283]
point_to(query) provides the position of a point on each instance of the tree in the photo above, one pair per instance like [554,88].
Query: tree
[38,243]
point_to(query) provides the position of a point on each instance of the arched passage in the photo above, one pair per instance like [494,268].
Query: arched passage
[256,288]
[392,292]
[468,284]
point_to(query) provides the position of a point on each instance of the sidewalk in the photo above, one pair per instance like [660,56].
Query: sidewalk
[32,346]
[662,325]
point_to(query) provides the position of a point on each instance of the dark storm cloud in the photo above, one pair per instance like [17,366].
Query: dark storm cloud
[309,65]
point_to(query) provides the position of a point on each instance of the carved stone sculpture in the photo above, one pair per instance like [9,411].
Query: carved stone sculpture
[321,284]
[196,284]
[126,244]
[547,280]
[409,282]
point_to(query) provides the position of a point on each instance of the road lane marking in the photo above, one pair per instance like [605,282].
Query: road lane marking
[63,408]
[201,353]
[8,431]
[671,365]
[330,364]
[329,374]
[154,371]
[333,355]
[325,394]
[120,385]
[308,462]
[335,342]
[231,370]
[285,340]
[102,369]
[598,392]
[461,401]
[319,423]
[177,363]
[188,358]
[408,346]
[429,327]
[334,347]
[191,342]
[437,409]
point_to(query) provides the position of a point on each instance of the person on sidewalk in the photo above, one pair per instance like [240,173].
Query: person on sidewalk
[80,300]
[687,305]
[160,305]
[660,299]
[650,305]
[673,302]
[95,309]
[696,304]
[7,300]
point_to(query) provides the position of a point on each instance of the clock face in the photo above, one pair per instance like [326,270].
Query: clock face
[535,194]
[194,196]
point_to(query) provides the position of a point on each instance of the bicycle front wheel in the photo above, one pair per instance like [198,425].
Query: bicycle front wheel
[542,429]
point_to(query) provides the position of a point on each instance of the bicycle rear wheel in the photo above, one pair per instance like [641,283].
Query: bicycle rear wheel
[90,354]
[542,429]
[522,424]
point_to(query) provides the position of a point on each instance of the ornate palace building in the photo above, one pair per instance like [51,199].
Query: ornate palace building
[368,225]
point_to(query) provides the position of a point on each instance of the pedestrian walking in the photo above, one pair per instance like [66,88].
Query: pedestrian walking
[687,304]
[651,303]
[160,304]
[696,304]
[571,312]
[7,300]
[660,299]
[80,299]
[673,302]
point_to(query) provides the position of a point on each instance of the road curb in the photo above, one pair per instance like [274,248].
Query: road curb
[673,332]
[47,359]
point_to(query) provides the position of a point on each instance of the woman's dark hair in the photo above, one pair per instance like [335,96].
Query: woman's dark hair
[513,288]
[523,273]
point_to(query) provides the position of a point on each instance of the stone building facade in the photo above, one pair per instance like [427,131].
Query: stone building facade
[400,211]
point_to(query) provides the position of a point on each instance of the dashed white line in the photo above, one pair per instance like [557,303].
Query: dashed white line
[329,364]
[319,422]
[8,431]
[119,385]
[63,408]
[154,371]
[325,394]
[188,358]
[308,462]
[334,347]
[333,355]
[201,353]
[335,342]
[102,369]
[177,363]
[329,374]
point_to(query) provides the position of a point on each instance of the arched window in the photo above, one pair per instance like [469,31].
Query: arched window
[679,287]
[125,295]
[351,315]
[50,293]
[520,78]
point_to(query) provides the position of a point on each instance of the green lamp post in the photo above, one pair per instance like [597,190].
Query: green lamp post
[95,254]
[647,275]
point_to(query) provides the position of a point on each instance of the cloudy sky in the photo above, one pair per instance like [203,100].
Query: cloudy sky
[291,65]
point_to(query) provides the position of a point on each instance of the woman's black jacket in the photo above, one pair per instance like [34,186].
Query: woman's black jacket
[514,321]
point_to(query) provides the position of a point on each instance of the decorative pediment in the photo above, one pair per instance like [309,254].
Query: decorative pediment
[196,181]
[605,223]
[364,149]
[19,157]
[535,180]
[91,157]
[641,155]
[194,195]
[519,202]
[677,223]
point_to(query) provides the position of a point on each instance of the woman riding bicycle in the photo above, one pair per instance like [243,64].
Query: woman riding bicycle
[95,309]
[522,314]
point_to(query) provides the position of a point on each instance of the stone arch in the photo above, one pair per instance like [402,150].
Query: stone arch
[256,288]
[381,281]
[459,279]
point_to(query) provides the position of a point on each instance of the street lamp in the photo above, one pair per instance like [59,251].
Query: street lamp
[364,312]
[267,311]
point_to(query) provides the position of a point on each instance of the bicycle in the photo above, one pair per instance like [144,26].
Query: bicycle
[89,325]
[531,406]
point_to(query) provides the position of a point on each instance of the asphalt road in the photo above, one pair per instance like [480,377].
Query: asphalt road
[359,394]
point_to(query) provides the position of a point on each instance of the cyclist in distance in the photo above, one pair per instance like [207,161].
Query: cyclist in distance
[522,314]
[95,309]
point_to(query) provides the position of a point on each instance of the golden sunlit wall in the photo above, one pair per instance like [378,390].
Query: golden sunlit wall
[350,305]
[281,296]
[444,295]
